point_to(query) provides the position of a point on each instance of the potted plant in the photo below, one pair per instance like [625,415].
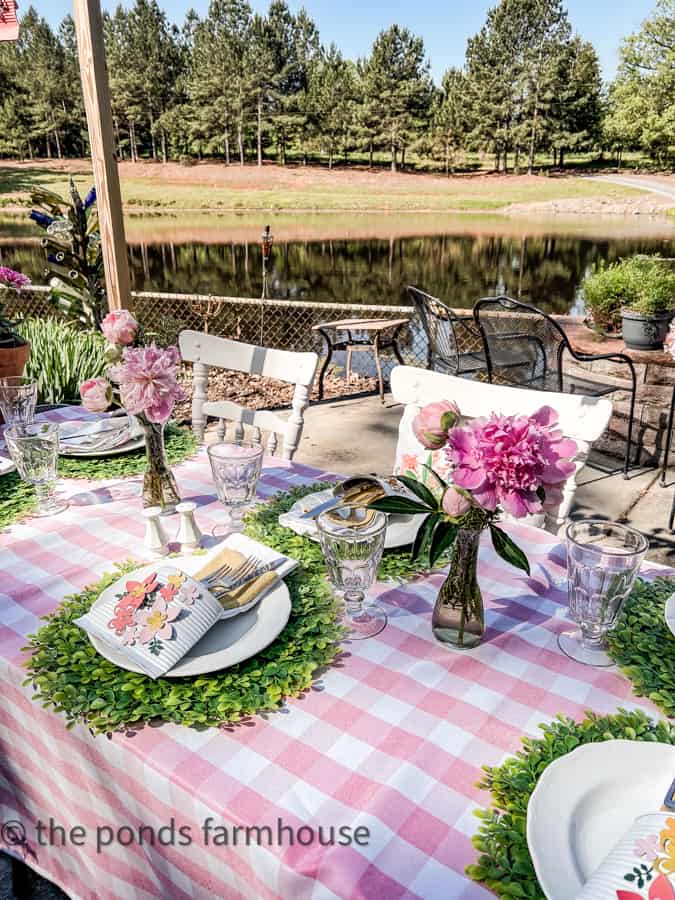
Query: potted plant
[636,294]
[14,349]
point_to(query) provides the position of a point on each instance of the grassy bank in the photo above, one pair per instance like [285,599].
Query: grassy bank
[216,187]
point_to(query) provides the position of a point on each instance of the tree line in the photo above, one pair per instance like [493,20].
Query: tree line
[245,87]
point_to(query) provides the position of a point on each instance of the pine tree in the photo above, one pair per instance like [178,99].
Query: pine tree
[576,112]
[331,96]
[397,87]
[641,109]
[449,123]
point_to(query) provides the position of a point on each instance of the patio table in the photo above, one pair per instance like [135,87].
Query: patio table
[392,738]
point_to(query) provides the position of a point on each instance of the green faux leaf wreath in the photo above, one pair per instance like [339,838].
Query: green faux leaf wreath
[643,646]
[71,677]
[17,498]
[504,862]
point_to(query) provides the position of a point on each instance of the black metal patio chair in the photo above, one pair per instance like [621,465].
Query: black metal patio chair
[541,344]
[447,335]
[454,343]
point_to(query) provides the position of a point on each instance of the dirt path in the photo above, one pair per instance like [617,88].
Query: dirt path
[663,185]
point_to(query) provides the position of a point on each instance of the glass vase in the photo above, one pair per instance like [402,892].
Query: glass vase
[159,485]
[458,618]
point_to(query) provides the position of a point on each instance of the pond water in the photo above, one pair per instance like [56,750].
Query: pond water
[542,264]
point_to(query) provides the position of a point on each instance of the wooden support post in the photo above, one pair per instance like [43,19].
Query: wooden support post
[96,90]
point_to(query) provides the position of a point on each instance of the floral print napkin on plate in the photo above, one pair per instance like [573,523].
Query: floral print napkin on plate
[153,620]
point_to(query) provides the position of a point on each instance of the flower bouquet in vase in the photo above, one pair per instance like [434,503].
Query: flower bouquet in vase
[499,464]
[144,380]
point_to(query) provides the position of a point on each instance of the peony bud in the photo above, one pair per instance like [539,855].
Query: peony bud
[120,327]
[96,394]
[432,423]
[454,503]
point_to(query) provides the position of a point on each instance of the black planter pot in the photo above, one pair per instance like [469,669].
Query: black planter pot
[645,332]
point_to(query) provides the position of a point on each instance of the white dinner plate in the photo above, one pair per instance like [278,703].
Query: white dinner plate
[670,613]
[586,801]
[401,530]
[134,443]
[228,642]
[6,465]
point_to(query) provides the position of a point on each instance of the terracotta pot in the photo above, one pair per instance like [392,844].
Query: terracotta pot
[13,360]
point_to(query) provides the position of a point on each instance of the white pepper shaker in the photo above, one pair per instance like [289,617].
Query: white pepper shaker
[189,536]
[155,536]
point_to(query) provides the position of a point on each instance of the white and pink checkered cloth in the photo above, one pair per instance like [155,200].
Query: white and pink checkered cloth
[392,739]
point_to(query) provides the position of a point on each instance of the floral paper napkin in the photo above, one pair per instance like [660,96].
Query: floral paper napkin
[154,621]
[641,866]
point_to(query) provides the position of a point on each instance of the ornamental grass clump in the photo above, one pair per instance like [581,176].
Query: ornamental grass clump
[61,357]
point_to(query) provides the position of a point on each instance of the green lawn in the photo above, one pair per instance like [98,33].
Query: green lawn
[279,189]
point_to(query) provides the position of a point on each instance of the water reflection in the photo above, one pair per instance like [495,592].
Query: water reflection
[545,270]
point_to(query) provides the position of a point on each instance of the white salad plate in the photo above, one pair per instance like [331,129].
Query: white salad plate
[134,443]
[6,465]
[401,530]
[228,642]
[670,613]
[586,801]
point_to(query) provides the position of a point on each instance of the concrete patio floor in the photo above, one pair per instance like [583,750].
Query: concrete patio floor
[358,435]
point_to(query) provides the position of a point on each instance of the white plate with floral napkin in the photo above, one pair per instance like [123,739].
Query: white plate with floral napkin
[582,806]
[160,621]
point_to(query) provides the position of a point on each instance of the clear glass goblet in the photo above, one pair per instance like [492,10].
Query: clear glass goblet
[34,449]
[18,396]
[603,561]
[352,540]
[236,468]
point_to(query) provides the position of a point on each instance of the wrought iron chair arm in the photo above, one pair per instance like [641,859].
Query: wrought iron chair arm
[613,357]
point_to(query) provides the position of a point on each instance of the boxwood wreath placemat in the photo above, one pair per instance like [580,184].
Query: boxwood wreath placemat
[504,863]
[72,678]
[17,498]
[642,645]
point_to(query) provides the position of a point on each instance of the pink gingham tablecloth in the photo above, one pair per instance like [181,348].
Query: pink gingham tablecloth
[391,739]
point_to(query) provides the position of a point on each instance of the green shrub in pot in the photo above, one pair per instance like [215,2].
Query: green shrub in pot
[637,294]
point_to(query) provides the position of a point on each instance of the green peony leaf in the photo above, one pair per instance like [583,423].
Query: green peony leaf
[508,550]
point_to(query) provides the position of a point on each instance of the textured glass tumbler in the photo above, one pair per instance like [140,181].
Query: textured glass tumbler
[34,449]
[352,540]
[236,468]
[603,560]
[18,397]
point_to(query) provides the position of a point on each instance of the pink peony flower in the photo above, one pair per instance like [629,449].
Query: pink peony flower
[432,422]
[455,504]
[11,279]
[119,327]
[508,460]
[148,381]
[156,621]
[96,394]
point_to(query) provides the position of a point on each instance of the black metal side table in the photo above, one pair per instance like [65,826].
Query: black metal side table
[375,341]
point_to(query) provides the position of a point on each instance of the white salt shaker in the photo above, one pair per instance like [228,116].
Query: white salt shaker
[155,537]
[189,536]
